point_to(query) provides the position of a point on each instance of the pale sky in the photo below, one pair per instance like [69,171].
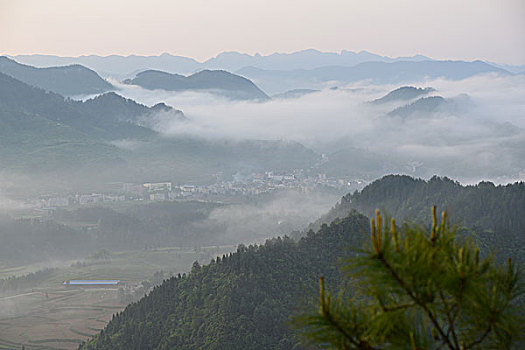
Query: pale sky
[492,30]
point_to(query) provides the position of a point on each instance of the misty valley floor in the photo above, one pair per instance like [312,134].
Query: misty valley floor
[52,316]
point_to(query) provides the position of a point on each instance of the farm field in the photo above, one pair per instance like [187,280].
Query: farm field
[49,315]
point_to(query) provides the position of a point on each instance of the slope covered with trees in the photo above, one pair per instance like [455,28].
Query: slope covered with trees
[420,289]
[496,214]
[67,80]
[240,301]
[218,81]
[245,300]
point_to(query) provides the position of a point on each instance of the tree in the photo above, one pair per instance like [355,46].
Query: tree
[418,290]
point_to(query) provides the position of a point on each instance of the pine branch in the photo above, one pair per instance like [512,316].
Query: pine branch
[429,313]
[450,320]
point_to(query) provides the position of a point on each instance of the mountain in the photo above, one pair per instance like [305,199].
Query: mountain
[67,81]
[496,214]
[216,81]
[44,129]
[240,301]
[276,81]
[117,66]
[403,93]
[99,118]
[127,110]
[113,137]
[304,59]
[121,67]
[423,105]
[244,300]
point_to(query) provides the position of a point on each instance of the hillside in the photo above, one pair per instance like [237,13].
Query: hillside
[67,80]
[404,93]
[43,130]
[113,106]
[243,301]
[423,105]
[99,117]
[216,81]
[239,301]
[495,213]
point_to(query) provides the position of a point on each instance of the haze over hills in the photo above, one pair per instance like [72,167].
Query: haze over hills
[403,93]
[218,82]
[66,80]
[122,66]
[277,73]
[295,93]
[234,159]
[43,131]
[205,175]
[275,81]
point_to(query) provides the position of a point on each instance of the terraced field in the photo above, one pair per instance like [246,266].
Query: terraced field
[52,316]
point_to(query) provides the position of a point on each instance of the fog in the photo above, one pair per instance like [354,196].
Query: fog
[482,138]
[255,222]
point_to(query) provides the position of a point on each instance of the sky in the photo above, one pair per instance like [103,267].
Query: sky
[491,30]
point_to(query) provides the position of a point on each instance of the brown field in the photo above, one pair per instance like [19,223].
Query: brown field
[53,316]
[59,321]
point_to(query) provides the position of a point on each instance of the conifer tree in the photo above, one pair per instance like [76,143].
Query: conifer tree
[413,289]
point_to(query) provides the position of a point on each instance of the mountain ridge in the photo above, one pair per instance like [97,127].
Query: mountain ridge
[65,80]
[216,81]
[398,72]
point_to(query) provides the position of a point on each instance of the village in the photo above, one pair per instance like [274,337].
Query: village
[238,187]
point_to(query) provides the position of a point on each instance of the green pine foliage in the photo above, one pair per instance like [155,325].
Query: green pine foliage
[419,290]
[240,301]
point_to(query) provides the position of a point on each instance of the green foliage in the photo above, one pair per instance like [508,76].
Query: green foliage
[495,215]
[239,301]
[420,291]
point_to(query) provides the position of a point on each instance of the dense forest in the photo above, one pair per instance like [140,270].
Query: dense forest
[240,301]
[245,300]
[494,214]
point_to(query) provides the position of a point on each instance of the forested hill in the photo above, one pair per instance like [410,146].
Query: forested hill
[240,301]
[67,81]
[496,214]
[218,81]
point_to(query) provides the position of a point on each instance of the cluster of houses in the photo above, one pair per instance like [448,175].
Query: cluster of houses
[251,185]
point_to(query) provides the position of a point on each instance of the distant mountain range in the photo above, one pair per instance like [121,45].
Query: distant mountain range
[215,81]
[126,66]
[275,81]
[280,72]
[66,80]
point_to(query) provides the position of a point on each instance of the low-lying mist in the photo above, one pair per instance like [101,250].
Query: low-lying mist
[254,223]
[481,138]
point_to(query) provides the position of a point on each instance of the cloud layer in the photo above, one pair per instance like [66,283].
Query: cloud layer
[484,139]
